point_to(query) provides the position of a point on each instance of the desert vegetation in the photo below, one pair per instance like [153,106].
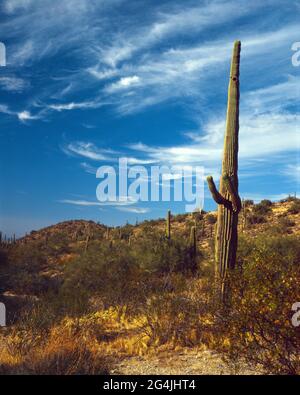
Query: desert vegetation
[75,309]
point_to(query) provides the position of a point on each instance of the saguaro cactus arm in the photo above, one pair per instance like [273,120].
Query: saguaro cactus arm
[218,198]
[236,200]
[235,203]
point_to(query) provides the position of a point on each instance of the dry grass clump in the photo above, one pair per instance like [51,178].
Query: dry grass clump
[63,351]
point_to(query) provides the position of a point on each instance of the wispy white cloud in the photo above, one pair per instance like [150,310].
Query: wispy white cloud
[87,150]
[188,71]
[42,34]
[90,151]
[84,203]
[184,19]
[275,97]
[141,65]
[267,127]
[11,6]
[88,126]
[13,84]
[135,210]
[75,106]
[260,136]
[22,116]
[124,83]
[292,172]
[88,168]
[26,116]
[122,201]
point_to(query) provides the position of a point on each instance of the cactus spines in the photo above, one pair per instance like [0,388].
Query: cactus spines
[168,225]
[227,198]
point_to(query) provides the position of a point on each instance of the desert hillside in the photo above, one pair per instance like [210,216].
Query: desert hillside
[85,298]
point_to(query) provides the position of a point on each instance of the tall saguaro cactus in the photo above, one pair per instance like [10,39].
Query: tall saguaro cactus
[227,198]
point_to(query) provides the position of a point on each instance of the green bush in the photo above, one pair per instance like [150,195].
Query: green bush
[295,207]
[180,218]
[248,202]
[289,199]
[257,325]
[25,262]
[110,272]
[285,224]
[156,254]
[262,208]
[211,219]
[266,202]
[256,219]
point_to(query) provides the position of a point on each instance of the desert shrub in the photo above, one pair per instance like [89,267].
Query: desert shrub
[262,208]
[57,244]
[156,254]
[152,222]
[179,317]
[266,202]
[198,216]
[258,324]
[126,231]
[3,256]
[3,269]
[211,219]
[248,202]
[295,207]
[285,223]
[111,272]
[256,219]
[170,318]
[290,199]
[281,227]
[24,262]
[180,218]
[31,256]
[60,353]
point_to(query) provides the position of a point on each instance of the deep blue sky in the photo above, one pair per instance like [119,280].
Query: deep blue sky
[89,81]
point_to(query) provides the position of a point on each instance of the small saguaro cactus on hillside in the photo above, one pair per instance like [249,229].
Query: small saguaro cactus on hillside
[193,241]
[168,225]
[107,233]
[87,241]
[244,215]
[88,238]
[227,198]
